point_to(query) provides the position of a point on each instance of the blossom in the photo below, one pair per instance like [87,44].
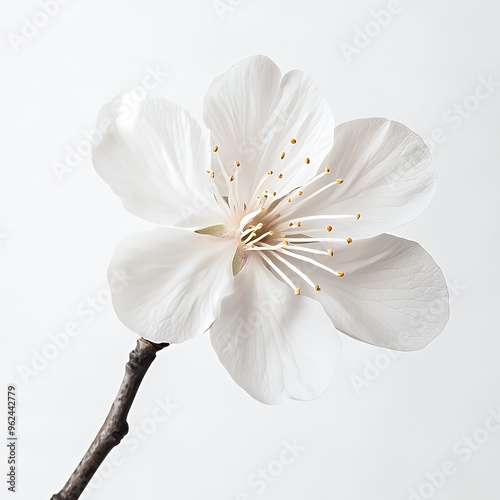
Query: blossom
[272,234]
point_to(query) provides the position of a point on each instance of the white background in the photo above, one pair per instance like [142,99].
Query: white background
[377,432]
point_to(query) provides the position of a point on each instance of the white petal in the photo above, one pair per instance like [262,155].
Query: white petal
[392,295]
[253,114]
[273,343]
[175,281]
[154,156]
[387,178]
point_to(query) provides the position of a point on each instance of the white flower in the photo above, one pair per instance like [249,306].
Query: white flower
[274,236]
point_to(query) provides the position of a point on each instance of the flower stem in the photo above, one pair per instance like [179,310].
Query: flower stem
[115,426]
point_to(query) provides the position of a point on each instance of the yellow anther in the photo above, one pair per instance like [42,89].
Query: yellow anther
[289,200]
[271,233]
[270,172]
[208,171]
[339,181]
[328,170]
[358,216]
[299,224]
[330,252]
[291,224]
[293,140]
[297,291]
[349,240]
[274,193]
[285,243]
[307,160]
[317,288]
[231,179]
[282,155]
[259,225]
[212,175]
[215,149]
[329,228]
[340,274]
[237,163]
[300,193]
[280,176]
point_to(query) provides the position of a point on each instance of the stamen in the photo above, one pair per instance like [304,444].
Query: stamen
[319,217]
[248,218]
[248,238]
[314,240]
[339,181]
[301,232]
[307,160]
[233,194]
[264,247]
[329,228]
[310,261]
[315,251]
[280,273]
[295,269]
[330,252]
[312,195]
[283,155]
[252,229]
[349,240]
[328,170]
[293,140]
[220,200]
[261,237]
[317,288]
[314,217]
[237,163]
[262,181]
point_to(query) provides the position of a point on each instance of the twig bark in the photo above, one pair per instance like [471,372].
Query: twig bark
[115,426]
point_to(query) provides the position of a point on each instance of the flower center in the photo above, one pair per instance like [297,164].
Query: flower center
[270,224]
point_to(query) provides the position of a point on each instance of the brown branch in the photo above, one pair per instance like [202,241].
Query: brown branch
[115,426]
